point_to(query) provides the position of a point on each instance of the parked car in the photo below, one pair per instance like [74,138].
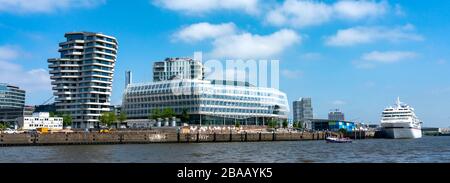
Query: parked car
[10,131]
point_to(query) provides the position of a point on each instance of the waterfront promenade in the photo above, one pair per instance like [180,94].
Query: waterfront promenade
[153,136]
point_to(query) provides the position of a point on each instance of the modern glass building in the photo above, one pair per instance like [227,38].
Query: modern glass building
[178,84]
[336,115]
[82,78]
[11,96]
[9,115]
[303,111]
[12,103]
[207,102]
[333,125]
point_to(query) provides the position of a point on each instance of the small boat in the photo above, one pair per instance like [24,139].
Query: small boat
[338,140]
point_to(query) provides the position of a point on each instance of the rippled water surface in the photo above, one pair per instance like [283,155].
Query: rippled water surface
[427,149]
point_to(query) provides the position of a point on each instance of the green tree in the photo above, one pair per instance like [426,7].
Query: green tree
[343,131]
[285,124]
[238,124]
[272,123]
[155,114]
[108,118]
[122,117]
[184,116]
[168,113]
[295,124]
[67,119]
[2,126]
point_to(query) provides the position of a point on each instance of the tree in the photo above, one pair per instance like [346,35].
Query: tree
[184,116]
[122,117]
[295,124]
[108,118]
[67,119]
[156,113]
[168,113]
[2,126]
[238,124]
[272,123]
[285,124]
[343,131]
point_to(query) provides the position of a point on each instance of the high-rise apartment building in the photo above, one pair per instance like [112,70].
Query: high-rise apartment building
[82,77]
[180,68]
[302,109]
[303,112]
[336,115]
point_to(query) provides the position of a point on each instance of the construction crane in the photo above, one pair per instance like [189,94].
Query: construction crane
[48,100]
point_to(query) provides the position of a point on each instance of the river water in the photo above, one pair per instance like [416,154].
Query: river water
[427,149]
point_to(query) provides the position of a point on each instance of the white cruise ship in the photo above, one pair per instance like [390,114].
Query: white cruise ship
[400,122]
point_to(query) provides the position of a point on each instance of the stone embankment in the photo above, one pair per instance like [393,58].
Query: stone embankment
[153,136]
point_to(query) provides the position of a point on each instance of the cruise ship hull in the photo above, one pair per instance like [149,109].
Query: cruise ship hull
[402,133]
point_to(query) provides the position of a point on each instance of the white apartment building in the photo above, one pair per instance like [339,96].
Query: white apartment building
[177,68]
[40,120]
[82,78]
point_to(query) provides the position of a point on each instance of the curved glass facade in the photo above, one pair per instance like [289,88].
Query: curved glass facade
[207,103]
[11,96]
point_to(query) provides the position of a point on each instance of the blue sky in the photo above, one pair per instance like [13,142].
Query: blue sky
[354,55]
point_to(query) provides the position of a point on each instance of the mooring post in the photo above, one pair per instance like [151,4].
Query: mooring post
[198,135]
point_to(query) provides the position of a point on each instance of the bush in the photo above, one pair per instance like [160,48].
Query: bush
[343,131]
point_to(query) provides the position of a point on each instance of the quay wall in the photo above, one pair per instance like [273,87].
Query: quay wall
[152,137]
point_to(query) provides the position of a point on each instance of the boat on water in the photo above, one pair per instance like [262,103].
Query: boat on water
[400,122]
[338,140]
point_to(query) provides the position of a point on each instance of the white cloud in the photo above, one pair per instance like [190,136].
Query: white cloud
[231,43]
[339,102]
[202,6]
[369,84]
[440,91]
[311,56]
[291,74]
[356,10]
[204,30]
[441,62]
[300,13]
[303,13]
[34,81]
[389,56]
[253,46]
[363,64]
[399,10]
[363,35]
[45,6]
[8,52]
